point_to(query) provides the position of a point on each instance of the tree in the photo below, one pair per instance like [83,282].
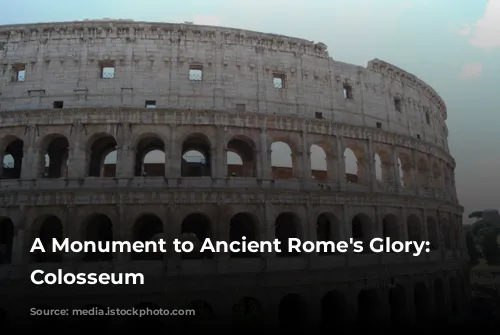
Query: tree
[470,242]
[486,231]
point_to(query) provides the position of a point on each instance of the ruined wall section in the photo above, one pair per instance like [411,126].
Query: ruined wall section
[152,61]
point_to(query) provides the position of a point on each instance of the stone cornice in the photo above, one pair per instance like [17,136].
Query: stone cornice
[157,116]
[376,65]
[174,32]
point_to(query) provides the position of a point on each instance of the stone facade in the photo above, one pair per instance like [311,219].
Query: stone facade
[75,92]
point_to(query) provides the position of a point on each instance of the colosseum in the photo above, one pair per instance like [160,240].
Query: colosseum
[131,131]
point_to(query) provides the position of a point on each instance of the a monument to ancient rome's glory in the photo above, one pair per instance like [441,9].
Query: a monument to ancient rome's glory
[131,131]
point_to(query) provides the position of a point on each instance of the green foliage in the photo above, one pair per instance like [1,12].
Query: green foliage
[485,233]
[474,254]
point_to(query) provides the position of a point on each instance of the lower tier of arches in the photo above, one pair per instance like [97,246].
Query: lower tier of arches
[290,301]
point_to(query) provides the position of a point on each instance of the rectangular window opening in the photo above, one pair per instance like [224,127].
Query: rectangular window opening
[427,118]
[319,115]
[18,72]
[348,91]
[195,73]
[279,80]
[379,125]
[418,136]
[240,107]
[150,104]
[58,104]
[107,69]
[397,104]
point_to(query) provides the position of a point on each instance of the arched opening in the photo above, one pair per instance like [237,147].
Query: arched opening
[99,228]
[379,175]
[247,314]
[404,166]
[318,163]
[422,172]
[444,225]
[292,313]
[150,157]
[397,303]
[46,320]
[241,160]
[327,229]
[196,228]
[287,225]
[454,297]
[362,229]
[54,157]
[334,311]
[368,307]
[196,156]
[421,301]
[390,227]
[50,228]
[440,301]
[97,321]
[6,240]
[12,158]
[433,233]
[414,228]
[243,225]
[102,156]
[148,227]
[351,166]
[282,161]
[148,322]
[437,176]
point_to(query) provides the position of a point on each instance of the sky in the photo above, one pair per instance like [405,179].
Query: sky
[453,45]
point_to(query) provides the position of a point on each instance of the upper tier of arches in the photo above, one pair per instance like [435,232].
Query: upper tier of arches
[247,72]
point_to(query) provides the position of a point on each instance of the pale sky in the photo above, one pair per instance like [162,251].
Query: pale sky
[453,45]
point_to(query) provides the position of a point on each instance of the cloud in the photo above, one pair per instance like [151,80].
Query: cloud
[486,34]
[465,30]
[206,20]
[471,70]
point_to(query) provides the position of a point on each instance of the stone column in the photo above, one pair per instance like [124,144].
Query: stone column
[306,158]
[174,155]
[78,159]
[219,155]
[371,166]
[397,175]
[29,159]
[331,167]
[340,162]
[266,169]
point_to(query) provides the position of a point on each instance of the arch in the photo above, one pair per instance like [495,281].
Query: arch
[51,228]
[287,225]
[379,168]
[241,157]
[6,240]
[102,151]
[319,163]
[444,225]
[243,225]
[148,322]
[334,311]
[88,322]
[405,168]
[432,233]
[414,228]
[12,157]
[98,227]
[196,156]
[362,229]
[46,320]
[368,307]
[352,165]
[422,173]
[247,314]
[196,228]
[147,227]
[421,302]
[150,157]
[282,160]
[327,229]
[53,160]
[390,227]
[292,312]
[454,296]
[397,303]
[440,300]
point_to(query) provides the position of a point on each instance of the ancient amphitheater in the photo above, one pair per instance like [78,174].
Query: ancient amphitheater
[130,130]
